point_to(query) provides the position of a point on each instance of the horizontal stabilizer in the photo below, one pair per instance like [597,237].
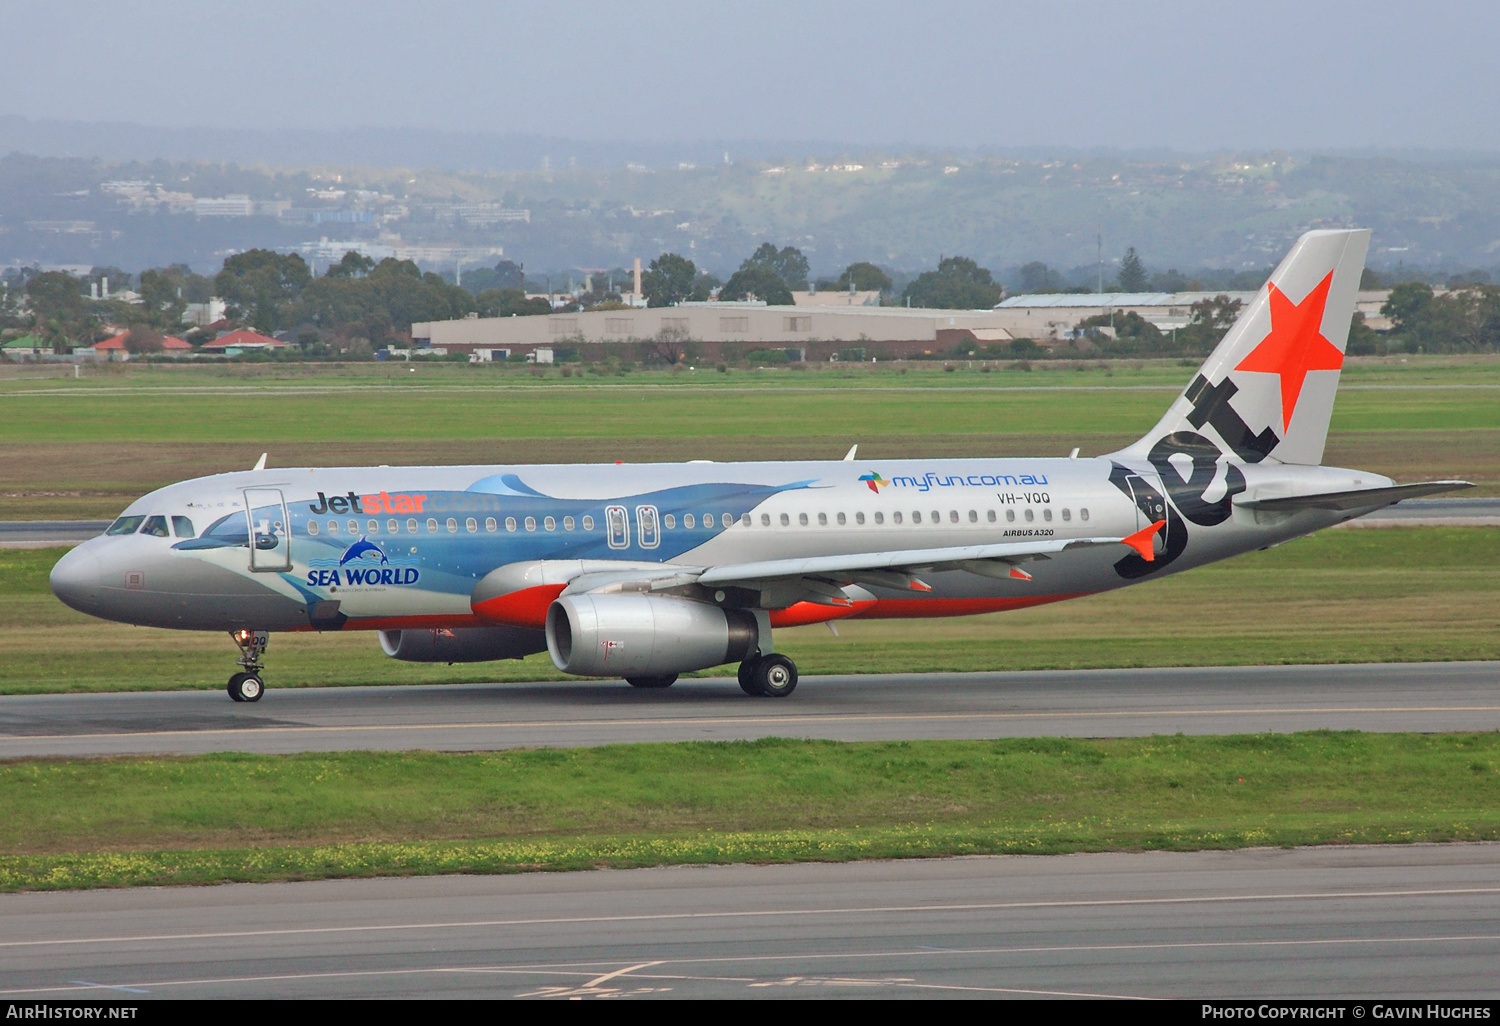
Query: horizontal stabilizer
[1359,498]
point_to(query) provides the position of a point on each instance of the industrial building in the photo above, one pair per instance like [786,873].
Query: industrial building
[729,329]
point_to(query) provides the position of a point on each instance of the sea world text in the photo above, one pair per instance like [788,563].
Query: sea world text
[359,575]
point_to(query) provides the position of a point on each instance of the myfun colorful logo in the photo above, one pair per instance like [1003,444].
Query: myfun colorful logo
[875,482]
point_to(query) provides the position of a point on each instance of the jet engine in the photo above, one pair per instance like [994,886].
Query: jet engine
[462,644]
[643,635]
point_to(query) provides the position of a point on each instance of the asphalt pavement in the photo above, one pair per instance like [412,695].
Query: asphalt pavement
[1391,921]
[467,717]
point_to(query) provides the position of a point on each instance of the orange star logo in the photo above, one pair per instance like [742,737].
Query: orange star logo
[1295,345]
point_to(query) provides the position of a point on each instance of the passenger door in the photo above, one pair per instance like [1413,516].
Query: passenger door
[270,533]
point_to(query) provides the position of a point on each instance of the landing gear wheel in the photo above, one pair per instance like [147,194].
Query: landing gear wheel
[664,681]
[775,676]
[246,687]
[747,677]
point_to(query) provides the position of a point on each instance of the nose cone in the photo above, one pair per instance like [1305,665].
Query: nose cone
[75,580]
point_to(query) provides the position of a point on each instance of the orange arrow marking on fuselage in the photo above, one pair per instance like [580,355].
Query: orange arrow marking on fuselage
[1142,541]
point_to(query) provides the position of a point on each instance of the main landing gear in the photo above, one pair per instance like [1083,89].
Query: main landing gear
[247,686]
[768,676]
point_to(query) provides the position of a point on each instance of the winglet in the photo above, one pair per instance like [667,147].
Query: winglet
[849,456]
[1142,540]
[260,464]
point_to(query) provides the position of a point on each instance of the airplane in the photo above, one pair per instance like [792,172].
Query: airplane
[649,571]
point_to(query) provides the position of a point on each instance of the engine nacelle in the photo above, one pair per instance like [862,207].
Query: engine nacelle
[644,635]
[461,644]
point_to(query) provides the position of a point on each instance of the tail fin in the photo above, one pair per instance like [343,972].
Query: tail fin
[1268,389]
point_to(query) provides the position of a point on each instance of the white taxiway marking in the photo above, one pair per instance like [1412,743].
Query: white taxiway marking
[670,721]
[760,914]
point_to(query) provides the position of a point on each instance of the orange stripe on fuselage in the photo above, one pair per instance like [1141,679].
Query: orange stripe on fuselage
[524,608]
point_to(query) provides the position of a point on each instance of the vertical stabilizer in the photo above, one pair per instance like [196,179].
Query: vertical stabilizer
[1267,391]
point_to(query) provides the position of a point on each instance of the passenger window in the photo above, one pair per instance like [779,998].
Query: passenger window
[510,523]
[786,521]
[471,525]
[990,515]
[354,527]
[841,520]
[937,518]
[452,526]
[1067,514]
[1047,514]
[953,516]
[182,527]
[531,523]
[880,518]
[333,527]
[916,516]
[619,528]
[765,520]
[726,519]
[859,518]
[802,519]
[744,519]
[1030,516]
[550,523]
[973,516]
[646,529]
[411,526]
[490,525]
[312,528]
[432,525]
[1083,514]
[567,523]
[1010,516]
[588,523]
[669,521]
[393,526]
[156,527]
[373,527]
[689,521]
[895,517]
[708,520]
[822,519]
[125,525]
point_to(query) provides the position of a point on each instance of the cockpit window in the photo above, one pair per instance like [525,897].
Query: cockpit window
[125,525]
[156,527]
[182,527]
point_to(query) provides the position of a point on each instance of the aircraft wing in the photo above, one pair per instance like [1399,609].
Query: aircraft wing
[1358,498]
[821,578]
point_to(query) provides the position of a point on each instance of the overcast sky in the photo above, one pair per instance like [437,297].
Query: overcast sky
[1188,75]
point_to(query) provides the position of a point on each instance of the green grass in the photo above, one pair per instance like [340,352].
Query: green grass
[1393,594]
[128,821]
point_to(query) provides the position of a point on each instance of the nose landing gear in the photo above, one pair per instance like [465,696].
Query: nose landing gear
[247,686]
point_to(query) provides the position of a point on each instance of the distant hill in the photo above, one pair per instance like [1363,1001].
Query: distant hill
[900,210]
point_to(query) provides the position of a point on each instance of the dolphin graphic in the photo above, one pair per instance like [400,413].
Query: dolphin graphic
[361,549]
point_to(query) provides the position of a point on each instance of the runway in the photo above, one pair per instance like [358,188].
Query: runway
[1080,703]
[1393,921]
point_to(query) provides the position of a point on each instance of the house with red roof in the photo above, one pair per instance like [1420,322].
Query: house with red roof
[114,348]
[242,341]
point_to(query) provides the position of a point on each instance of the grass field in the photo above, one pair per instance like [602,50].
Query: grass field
[84,449]
[1395,594]
[120,822]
